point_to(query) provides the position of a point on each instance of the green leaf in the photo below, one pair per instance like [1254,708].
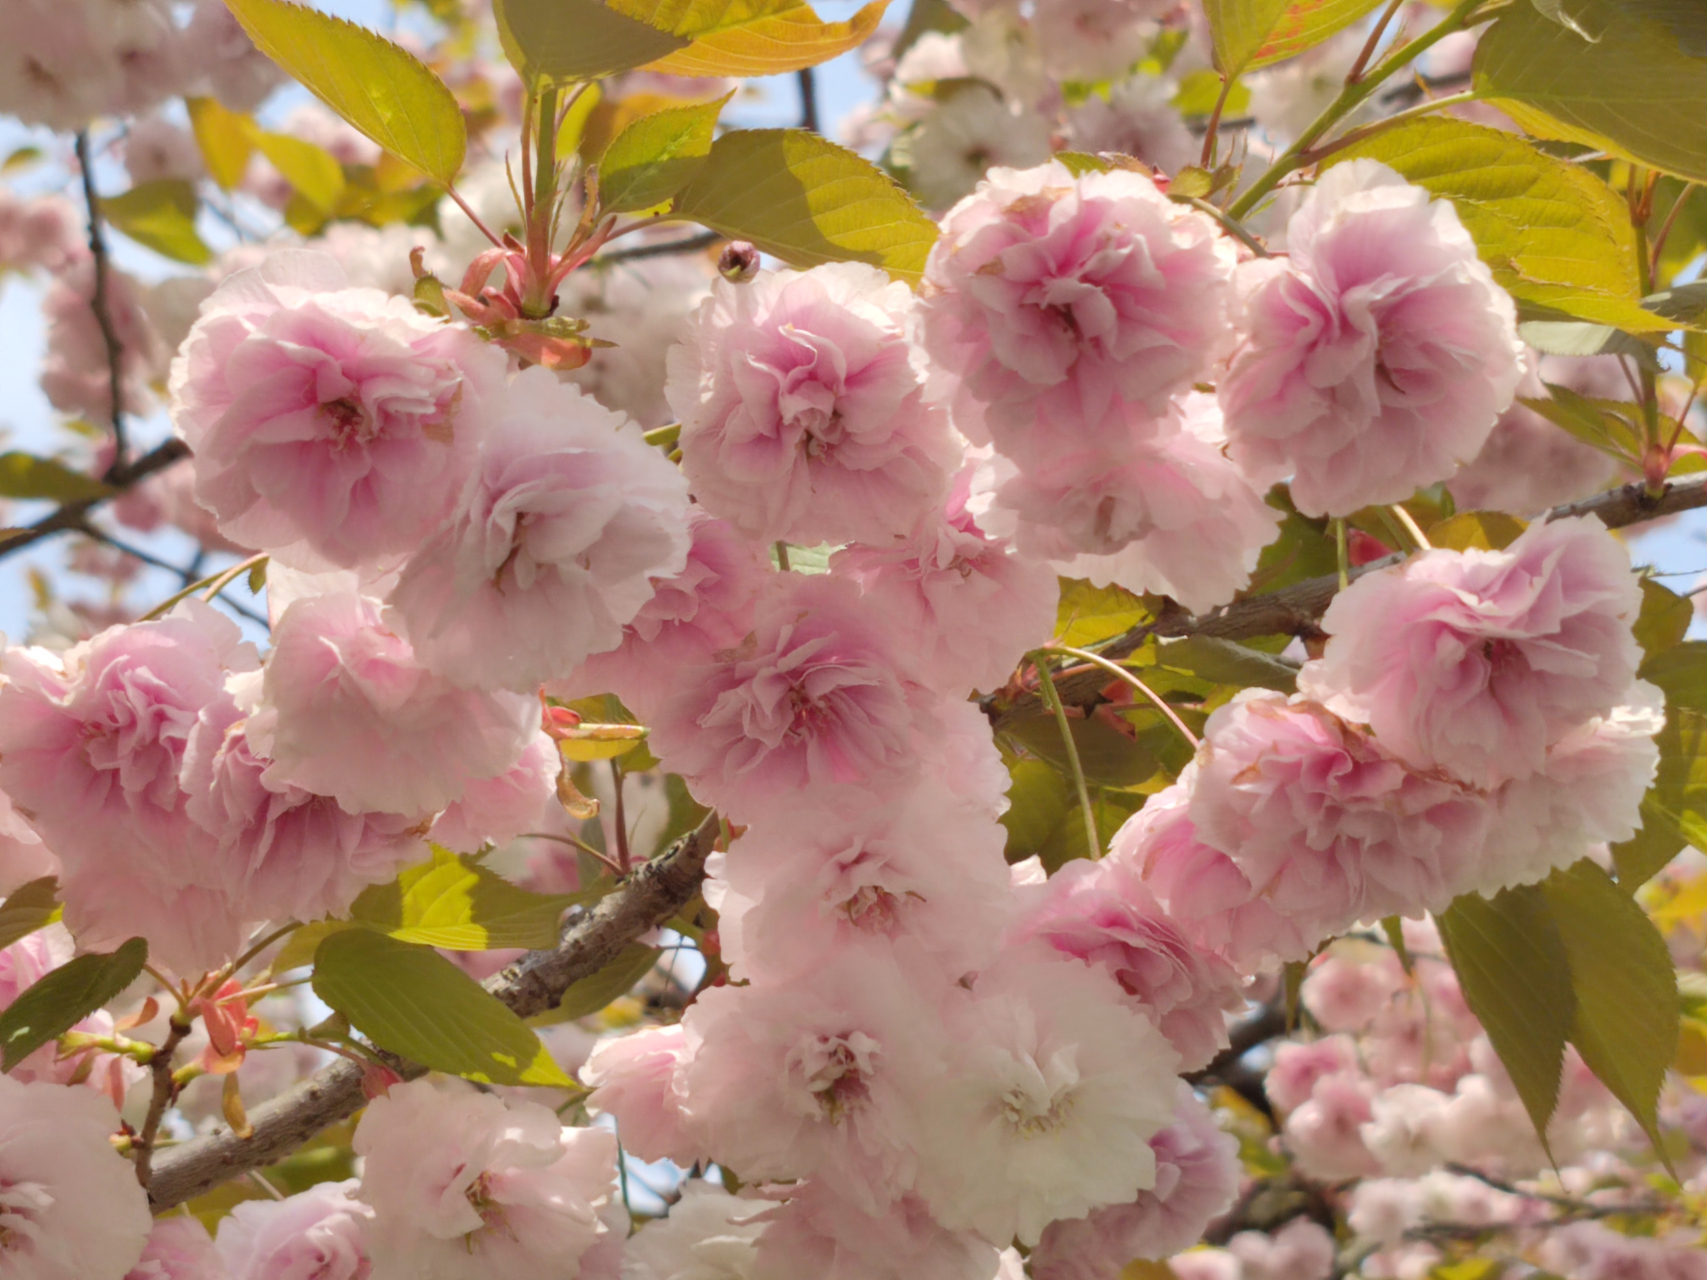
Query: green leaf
[1080,163]
[1627,1009]
[1511,964]
[1581,338]
[1477,530]
[807,201]
[1108,757]
[27,908]
[1663,622]
[162,216]
[612,982]
[925,16]
[1039,797]
[312,171]
[1223,662]
[380,88]
[1089,614]
[1635,91]
[64,997]
[1254,33]
[299,948]
[412,1001]
[24,475]
[454,903]
[749,37]
[1197,95]
[226,139]
[565,40]
[656,156]
[1552,232]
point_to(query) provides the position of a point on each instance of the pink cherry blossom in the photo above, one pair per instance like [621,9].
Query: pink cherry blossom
[1104,914]
[23,855]
[1323,822]
[708,1235]
[1301,1250]
[1298,1065]
[639,1079]
[1053,304]
[1197,1178]
[179,1249]
[91,744]
[821,1234]
[824,1079]
[75,375]
[331,426]
[802,408]
[500,808]
[317,1233]
[1052,1094]
[1203,890]
[70,1206]
[348,711]
[790,893]
[465,1186]
[567,516]
[1380,352]
[1325,1132]
[962,603]
[40,233]
[817,695]
[705,608]
[284,852]
[1475,662]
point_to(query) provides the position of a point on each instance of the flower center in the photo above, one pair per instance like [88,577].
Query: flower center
[350,421]
[837,1071]
[1033,1114]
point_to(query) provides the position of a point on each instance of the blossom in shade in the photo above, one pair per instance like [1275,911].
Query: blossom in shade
[962,603]
[179,1249]
[500,808]
[70,1206]
[1476,662]
[1051,1095]
[330,426]
[818,695]
[793,1080]
[1166,512]
[802,408]
[1203,890]
[317,1233]
[708,1235]
[1053,303]
[75,376]
[566,518]
[1104,914]
[1380,353]
[465,1186]
[23,855]
[1326,825]
[822,1234]
[638,1079]
[1197,1178]
[347,710]
[792,891]
[705,608]
[91,744]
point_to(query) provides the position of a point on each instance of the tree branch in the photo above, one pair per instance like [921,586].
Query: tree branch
[534,984]
[98,304]
[73,516]
[1295,610]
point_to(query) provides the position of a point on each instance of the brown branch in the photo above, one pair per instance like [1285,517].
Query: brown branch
[103,317]
[160,1067]
[73,516]
[1296,610]
[1259,1027]
[534,984]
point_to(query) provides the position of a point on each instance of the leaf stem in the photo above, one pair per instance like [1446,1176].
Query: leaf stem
[1159,702]
[1375,34]
[1419,539]
[119,470]
[1052,699]
[1210,135]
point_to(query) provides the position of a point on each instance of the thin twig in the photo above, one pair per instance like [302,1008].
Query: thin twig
[73,515]
[688,244]
[1118,670]
[1369,45]
[160,1067]
[120,467]
[1233,226]
[1052,699]
[1211,135]
[808,99]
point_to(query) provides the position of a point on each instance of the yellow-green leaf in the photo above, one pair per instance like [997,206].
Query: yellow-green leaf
[23,475]
[312,171]
[379,87]
[1254,33]
[1511,964]
[27,908]
[656,156]
[1552,232]
[807,201]
[1475,530]
[1635,90]
[1625,1023]
[1662,624]
[564,40]
[749,37]
[299,948]
[612,982]
[161,215]
[452,902]
[1088,614]
[412,1001]
[226,139]
[61,999]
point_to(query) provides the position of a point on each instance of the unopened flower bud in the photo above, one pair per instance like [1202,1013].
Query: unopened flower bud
[739,262]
